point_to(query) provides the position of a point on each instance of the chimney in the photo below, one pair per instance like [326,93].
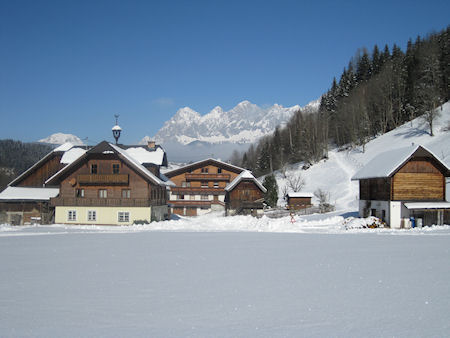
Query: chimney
[151,144]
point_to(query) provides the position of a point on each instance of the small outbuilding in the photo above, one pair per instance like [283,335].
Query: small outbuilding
[298,200]
[244,195]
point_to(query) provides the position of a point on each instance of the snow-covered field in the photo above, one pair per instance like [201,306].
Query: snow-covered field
[131,281]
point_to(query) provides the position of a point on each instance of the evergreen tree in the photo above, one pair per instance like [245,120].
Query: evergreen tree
[270,183]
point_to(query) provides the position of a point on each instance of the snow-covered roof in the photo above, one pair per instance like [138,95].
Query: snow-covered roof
[64,147]
[244,175]
[23,193]
[72,155]
[137,165]
[385,164]
[142,155]
[427,205]
[299,194]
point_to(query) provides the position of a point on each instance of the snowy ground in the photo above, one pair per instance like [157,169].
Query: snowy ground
[196,280]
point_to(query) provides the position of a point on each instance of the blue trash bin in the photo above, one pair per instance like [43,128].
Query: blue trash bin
[413,222]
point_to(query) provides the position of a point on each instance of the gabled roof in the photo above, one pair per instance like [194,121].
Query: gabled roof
[108,148]
[67,151]
[202,163]
[245,175]
[28,194]
[387,163]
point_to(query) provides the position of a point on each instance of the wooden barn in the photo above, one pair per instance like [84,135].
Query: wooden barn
[298,200]
[244,195]
[405,187]
[200,187]
[25,200]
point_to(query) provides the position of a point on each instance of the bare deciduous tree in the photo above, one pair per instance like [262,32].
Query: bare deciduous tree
[324,198]
[295,182]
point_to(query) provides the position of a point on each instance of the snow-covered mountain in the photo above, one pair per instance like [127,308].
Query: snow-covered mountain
[60,138]
[245,123]
[188,135]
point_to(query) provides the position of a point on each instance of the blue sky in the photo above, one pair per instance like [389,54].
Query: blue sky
[69,66]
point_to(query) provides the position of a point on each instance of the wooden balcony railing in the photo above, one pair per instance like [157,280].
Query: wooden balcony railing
[197,191]
[103,179]
[207,177]
[192,203]
[103,202]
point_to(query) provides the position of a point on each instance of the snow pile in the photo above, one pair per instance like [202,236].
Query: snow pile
[363,223]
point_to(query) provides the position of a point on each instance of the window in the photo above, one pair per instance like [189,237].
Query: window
[102,193]
[94,168]
[205,198]
[116,168]
[123,216]
[79,193]
[216,184]
[92,215]
[205,170]
[181,197]
[183,184]
[219,170]
[126,193]
[204,184]
[71,215]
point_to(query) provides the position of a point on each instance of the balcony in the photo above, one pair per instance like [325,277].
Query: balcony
[103,179]
[197,191]
[101,202]
[208,177]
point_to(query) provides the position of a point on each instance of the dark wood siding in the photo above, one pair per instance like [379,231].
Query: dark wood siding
[375,189]
[140,188]
[40,174]
[299,202]
[245,191]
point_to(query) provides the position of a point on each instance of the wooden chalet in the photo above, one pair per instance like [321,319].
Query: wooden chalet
[298,200]
[25,200]
[405,187]
[200,186]
[112,184]
[244,195]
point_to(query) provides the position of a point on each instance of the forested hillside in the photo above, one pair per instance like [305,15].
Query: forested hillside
[377,92]
[16,157]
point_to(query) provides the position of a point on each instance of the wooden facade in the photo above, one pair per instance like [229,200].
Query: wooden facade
[25,212]
[106,179]
[403,186]
[417,180]
[245,196]
[40,172]
[297,203]
[200,187]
